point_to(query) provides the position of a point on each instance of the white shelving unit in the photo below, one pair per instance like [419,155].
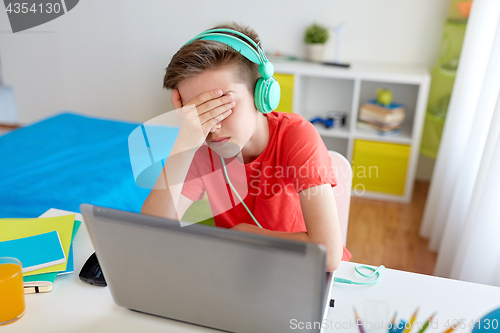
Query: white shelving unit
[318,89]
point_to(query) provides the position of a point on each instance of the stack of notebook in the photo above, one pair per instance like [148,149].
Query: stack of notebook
[385,119]
[43,245]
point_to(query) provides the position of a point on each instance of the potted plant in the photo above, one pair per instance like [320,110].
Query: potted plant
[315,38]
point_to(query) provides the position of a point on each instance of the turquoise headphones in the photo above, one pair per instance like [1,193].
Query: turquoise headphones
[267,90]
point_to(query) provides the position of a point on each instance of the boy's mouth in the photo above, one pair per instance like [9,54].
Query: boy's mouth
[225,138]
[219,142]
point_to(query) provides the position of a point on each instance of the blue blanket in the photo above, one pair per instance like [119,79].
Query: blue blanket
[64,161]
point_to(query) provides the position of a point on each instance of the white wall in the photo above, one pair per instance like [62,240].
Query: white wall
[107,58]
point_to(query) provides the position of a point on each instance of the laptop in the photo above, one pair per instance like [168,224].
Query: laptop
[213,277]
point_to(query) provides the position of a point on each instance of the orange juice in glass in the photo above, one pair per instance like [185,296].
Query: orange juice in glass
[11,290]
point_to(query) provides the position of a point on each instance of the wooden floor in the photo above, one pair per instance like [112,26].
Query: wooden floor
[386,233]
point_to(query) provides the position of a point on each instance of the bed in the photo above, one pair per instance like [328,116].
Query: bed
[66,160]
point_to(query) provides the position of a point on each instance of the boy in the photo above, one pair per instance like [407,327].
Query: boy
[286,167]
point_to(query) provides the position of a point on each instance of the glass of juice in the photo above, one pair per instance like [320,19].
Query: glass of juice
[11,290]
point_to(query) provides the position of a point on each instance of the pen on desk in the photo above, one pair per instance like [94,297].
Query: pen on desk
[392,328]
[412,320]
[359,322]
[427,323]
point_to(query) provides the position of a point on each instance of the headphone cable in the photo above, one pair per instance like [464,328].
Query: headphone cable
[236,192]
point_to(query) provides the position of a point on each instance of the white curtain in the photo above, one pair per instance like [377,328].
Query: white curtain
[462,213]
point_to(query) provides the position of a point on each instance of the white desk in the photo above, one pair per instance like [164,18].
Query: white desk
[404,291]
[74,306]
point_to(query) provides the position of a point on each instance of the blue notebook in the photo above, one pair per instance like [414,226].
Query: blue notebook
[70,268]
[35,252]
[390,106]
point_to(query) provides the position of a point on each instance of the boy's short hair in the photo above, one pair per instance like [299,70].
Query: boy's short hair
[201,55]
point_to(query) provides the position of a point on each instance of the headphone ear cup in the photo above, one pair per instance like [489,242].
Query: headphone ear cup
[273,94]
[259,95]
[267,94]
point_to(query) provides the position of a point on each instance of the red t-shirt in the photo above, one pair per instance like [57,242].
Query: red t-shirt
[295,159]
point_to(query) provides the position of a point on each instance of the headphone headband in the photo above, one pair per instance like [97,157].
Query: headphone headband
[254,54]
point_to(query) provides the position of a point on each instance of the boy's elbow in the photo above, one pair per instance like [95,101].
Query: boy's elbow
[332,265]
[147,208]
[333,258]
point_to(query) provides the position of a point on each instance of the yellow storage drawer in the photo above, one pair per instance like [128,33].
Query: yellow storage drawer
[286,85]
[380,167]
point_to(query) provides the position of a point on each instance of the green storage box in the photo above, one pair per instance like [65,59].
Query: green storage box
[443,77]
[440,92]
[431,136]
[451,45]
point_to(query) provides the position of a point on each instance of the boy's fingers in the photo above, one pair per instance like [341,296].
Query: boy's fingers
[176,99]
[211,106]
[206,96]
[218,112]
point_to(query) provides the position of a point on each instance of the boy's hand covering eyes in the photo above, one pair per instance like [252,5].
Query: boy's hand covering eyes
[198,116]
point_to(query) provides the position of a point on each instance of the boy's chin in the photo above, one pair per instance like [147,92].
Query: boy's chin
[226,150]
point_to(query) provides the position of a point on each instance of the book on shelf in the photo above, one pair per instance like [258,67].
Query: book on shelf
[374,129]
[393,107]
[381,125]
[391,113]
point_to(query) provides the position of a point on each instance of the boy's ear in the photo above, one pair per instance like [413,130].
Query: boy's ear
[177,98]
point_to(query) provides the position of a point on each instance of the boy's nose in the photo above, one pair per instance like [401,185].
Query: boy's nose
[215,128]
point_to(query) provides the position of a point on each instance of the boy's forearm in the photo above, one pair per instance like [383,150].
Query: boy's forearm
[296,236]
[334,252]
[164,198]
